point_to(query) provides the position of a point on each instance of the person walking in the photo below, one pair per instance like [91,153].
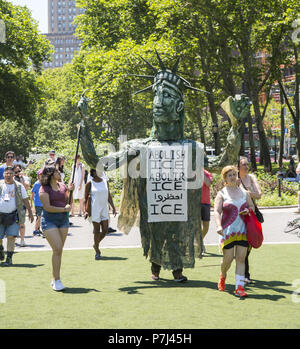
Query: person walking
[231,202]
[60,162]
[20,177]
[98,190]
[9,162]
[249,182]
[38,206]
[13,198]
[205,201]
[55,218]
[78,186]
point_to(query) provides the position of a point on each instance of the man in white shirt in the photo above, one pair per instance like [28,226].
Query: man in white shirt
[12,198]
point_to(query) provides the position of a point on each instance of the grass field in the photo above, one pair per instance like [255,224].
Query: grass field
[117,292]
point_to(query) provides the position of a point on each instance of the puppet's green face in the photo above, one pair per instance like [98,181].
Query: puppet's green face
[167,104]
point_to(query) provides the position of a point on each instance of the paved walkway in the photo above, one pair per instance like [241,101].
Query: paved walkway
[81,236]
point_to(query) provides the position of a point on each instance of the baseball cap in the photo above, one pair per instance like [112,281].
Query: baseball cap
[52,152]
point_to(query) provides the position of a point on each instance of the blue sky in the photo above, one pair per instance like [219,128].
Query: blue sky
[39,10]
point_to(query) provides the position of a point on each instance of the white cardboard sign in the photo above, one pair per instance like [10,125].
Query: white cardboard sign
[167,183]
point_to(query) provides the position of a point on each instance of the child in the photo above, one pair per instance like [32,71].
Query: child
[37,204]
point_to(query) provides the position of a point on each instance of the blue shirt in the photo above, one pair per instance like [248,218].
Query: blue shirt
[35,190]
[2,167]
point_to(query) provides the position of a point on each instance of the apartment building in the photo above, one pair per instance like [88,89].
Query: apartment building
[61,31]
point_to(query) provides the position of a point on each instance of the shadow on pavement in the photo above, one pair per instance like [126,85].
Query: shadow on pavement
[79,290]
[29,245]
[22,265]
[104,258]
[168,283]
[272,285]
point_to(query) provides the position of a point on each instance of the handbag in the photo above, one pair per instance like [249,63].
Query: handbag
[254,229]
[8,219]
[257,212]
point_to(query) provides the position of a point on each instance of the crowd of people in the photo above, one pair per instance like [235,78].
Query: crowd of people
[51,202]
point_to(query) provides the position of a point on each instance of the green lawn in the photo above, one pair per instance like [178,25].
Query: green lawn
[117,292]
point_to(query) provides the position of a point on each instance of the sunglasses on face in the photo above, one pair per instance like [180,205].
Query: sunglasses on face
[16,172]
[9,157]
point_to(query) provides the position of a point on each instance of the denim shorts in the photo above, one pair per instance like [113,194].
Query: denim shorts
[11,230]
[38,210]
[52,220]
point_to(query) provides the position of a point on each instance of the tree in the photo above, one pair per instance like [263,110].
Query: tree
[218,41]
[255,26]
[57,115]
[21,56]
[15,135]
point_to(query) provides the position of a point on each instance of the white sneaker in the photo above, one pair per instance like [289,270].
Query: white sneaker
[57,285]
[22,244]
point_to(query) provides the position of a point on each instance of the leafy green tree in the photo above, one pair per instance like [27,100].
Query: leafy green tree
[255,26]
[218,40]
[57,115]
[21,57]
[15,135]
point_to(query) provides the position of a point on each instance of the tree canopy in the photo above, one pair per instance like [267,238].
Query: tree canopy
[22,54]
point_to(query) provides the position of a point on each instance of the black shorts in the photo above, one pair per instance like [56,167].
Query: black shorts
[237,243]
[205,212]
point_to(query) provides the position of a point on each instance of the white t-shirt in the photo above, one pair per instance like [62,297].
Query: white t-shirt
[19,162]
[104,176]
[8,199]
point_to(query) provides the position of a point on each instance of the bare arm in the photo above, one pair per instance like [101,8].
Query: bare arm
[31,199]
[87,190]
[256,193]
[27,205]
[110,201]
[218,209]
[250,201]
[207,180]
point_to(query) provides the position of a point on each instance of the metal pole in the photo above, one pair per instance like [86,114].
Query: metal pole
[75,160]
[275,150]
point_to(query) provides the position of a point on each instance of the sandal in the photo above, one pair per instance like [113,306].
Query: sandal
[248,281]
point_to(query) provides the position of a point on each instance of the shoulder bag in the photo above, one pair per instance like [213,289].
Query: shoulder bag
[257,212]
[254,229]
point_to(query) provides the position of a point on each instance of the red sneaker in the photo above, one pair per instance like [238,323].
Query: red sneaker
[221,284]
[240,292]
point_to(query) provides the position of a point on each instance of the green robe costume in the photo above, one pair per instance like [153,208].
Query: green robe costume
[169,244]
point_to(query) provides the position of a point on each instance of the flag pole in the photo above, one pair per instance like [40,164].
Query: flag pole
[83,99]
[74,164]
